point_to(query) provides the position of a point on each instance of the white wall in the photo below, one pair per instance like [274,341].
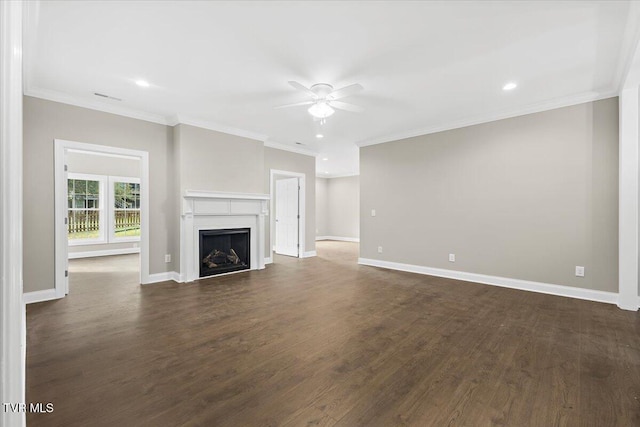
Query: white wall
[322,207]
[340,209]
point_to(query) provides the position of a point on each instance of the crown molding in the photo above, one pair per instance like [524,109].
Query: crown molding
[210,125]
[338,175]
[174,120]
[286,147]
[492,117]
[217,127]
[64,98]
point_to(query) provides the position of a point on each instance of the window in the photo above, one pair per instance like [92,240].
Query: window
[89,213]
[85,204]
[125,221]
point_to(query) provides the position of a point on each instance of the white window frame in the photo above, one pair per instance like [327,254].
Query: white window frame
[103,212]
[112,216]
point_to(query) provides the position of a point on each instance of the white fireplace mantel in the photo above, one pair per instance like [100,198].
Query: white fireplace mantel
[206,210]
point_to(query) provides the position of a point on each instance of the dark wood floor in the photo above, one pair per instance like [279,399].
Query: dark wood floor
[323,341]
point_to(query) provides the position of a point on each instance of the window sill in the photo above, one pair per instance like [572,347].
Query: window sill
[125,240]
[86,242]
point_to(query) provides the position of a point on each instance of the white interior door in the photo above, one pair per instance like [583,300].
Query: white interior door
[287,216]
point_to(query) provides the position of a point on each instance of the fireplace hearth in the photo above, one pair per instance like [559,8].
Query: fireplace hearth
[224,251]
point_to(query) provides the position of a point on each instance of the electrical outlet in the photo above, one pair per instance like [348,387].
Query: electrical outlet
[373,212]
[167,258]
[579,271]
[452,257]
[379,249]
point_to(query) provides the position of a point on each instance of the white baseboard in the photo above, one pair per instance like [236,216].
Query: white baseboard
[308,254]
[105,252]
[39,296]
[164,277]
[268,260]
[341,239]
[525,285]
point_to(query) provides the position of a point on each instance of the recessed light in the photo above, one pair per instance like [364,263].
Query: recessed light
[319,136]
[142,83]
[326,172]
[510,86]
[325,158]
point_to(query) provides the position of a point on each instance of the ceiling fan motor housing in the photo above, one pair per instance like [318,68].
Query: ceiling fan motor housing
[322,89]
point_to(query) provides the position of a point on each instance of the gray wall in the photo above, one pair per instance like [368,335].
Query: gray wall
[214,161]
[529,197]
[45,121]
[206,160]
[180,158]
[108,166]
[343,205]
[322,208]
[293,162]
[103,165]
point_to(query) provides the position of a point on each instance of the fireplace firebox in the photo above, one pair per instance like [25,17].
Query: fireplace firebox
[224,251]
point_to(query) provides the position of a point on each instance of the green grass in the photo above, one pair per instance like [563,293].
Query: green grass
[83,235]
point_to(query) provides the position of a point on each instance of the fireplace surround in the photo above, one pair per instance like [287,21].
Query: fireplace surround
[211,211]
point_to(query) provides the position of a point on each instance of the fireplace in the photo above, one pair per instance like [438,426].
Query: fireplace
[213,211]
[224,251]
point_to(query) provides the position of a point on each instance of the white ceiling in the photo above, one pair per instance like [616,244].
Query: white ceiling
[425,66]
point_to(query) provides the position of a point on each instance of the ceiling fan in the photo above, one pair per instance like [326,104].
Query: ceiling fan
[324,98]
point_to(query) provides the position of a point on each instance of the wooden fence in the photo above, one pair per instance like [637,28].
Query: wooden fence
[83,221]
[87,221]
[126,220]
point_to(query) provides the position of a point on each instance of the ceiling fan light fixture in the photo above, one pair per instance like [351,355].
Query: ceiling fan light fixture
[321,110]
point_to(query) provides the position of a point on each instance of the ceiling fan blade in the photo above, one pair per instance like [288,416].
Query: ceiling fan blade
[344,106]
[345,91]
[295,105]
[303,89]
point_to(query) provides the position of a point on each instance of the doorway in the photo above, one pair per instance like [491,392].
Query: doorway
[109,212]
[287,223]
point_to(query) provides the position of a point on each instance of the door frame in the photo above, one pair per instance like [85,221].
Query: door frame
[301,209]
[13,330]
[61,147]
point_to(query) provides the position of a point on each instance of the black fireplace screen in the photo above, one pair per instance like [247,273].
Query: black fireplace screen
[224,251]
